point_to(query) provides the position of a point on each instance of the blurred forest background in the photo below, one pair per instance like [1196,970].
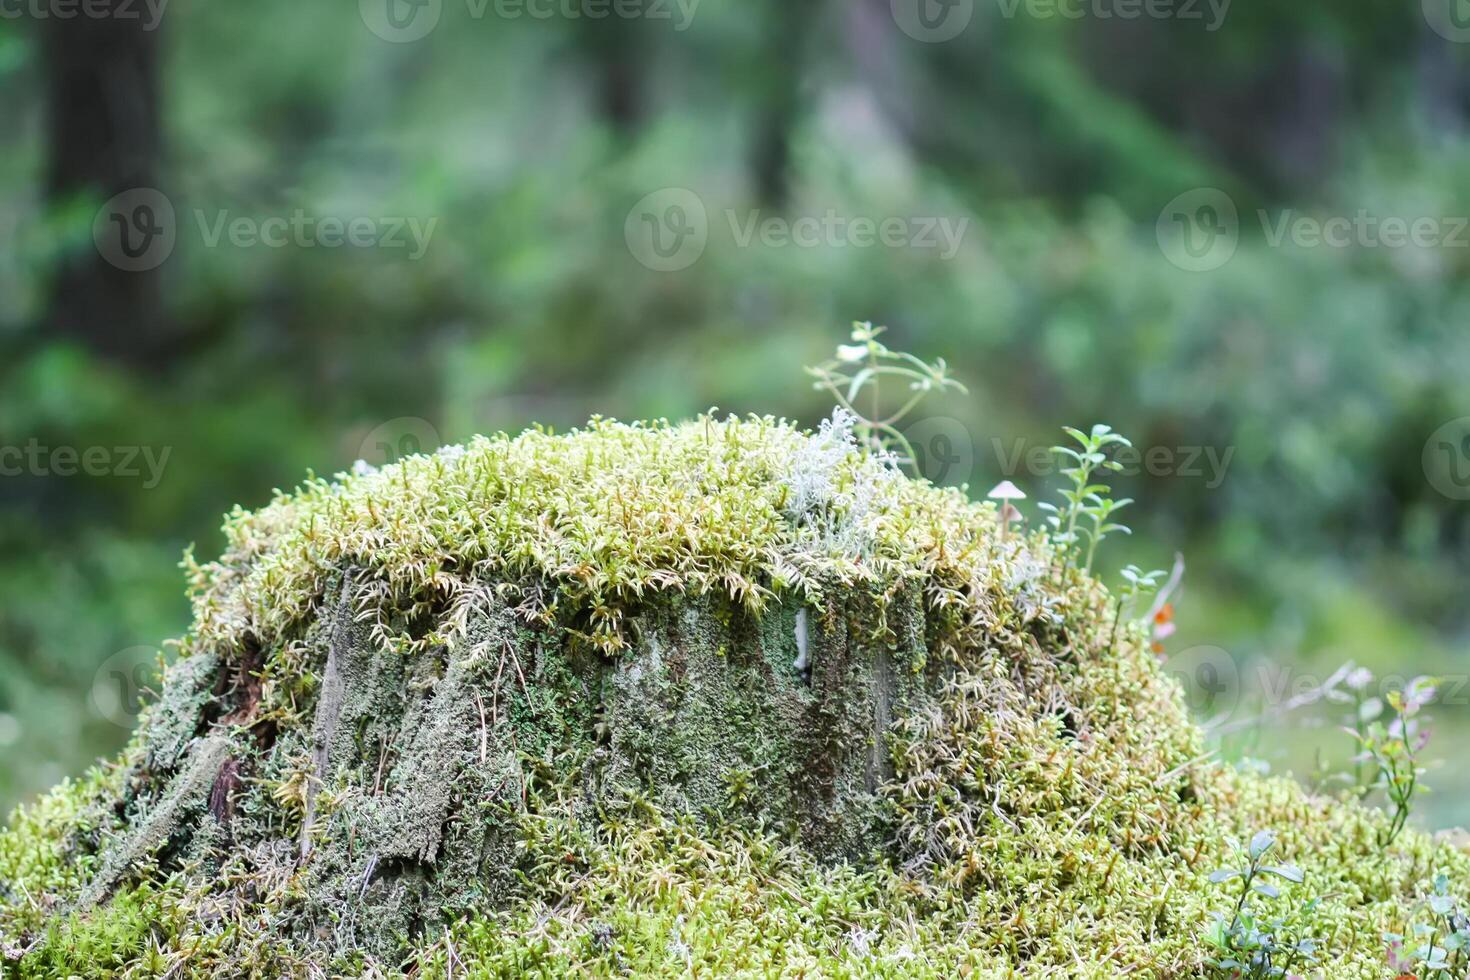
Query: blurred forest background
[599,204]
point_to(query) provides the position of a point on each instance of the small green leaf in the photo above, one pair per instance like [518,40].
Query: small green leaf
[1287,871]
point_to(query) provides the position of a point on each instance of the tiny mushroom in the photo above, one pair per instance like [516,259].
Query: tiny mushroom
[1005,491]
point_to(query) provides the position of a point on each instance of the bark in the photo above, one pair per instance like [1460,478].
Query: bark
[104,135]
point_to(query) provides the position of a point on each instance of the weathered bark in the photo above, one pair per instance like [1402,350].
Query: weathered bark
[413,772]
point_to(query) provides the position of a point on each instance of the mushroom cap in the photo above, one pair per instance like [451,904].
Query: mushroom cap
[1006,490]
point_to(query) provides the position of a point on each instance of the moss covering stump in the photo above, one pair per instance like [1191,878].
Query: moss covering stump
[725,697]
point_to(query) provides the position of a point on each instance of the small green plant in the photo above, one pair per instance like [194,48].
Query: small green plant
[1390,753]
[854,378]
[1085,499]
[1246,944]
[1442,943]
[1136,583]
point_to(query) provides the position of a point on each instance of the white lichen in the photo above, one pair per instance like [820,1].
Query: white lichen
[836,492]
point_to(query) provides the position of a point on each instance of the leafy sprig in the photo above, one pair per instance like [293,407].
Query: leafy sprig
[1441,945]
[854,378]
[1086,499]
[1392,752]
[1136,583]
[1246,944]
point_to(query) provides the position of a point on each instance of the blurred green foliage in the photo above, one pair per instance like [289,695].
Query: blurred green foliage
[1322,371]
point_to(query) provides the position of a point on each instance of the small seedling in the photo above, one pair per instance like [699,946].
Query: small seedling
[1390,753]
[1085,499]
[1247,945]
[1137,583]
[1441,945]
[854,377]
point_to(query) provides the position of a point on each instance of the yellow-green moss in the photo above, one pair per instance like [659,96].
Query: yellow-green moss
[1051,809]
[581,526]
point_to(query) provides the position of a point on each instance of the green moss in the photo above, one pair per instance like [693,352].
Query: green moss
[43,853]
[721,696]
[579,528]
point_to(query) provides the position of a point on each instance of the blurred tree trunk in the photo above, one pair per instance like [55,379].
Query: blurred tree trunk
[1443,83]
[616,55]
[102,101]
[778,82]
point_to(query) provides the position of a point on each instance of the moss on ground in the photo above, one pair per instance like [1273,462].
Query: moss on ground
[722,697]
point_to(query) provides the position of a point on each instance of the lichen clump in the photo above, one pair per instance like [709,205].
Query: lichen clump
[724,697]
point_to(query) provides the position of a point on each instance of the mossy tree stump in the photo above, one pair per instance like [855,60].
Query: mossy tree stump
[725,696]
